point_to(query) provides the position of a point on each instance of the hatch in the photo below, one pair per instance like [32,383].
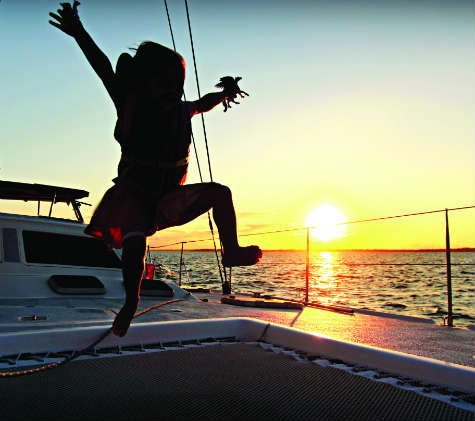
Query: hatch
[76,285]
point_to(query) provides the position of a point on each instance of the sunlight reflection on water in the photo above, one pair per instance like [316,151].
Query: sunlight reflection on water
[394,282]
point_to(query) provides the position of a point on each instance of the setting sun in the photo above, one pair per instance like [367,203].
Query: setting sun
[325,220]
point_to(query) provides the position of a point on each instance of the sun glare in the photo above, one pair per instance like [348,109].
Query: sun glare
[325,219]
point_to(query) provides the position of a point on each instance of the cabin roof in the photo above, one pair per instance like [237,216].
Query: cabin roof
[19,220]
[39,192]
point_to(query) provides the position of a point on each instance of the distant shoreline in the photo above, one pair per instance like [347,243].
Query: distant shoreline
[455,250]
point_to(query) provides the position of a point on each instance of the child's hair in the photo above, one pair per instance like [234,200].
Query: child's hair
[152,59]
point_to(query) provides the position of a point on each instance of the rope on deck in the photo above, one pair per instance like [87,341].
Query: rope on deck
[87,350]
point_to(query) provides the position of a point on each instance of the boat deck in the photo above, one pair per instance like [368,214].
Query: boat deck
[414,336]
[237,381]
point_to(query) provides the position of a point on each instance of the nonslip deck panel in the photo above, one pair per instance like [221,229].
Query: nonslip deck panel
[228,381]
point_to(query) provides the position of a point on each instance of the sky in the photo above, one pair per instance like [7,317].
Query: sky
[366,106]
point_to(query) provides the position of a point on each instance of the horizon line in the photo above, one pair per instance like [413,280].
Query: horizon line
[458,249]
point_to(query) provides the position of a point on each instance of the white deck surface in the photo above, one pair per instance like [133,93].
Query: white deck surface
[455,345]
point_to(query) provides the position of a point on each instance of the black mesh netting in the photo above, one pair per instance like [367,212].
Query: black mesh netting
[231,382]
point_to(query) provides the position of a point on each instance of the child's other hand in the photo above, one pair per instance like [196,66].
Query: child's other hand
[67,19]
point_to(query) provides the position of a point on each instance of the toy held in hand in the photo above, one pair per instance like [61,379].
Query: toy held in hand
[231,88]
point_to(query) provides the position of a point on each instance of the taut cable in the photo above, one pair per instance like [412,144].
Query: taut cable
[221,276]
[341,223]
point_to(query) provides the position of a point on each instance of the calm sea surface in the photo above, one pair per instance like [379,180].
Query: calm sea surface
[409,283]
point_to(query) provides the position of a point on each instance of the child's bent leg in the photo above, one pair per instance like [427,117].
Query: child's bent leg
[219,197]
[224,215]
[133,254]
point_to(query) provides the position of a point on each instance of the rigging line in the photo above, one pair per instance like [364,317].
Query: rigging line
[89,348]
[170,25]
[203,123]
[198,87]
[184,95]
[341,223]
[196,152]
[363,220]
[222,276]
[402,216]
[205,137]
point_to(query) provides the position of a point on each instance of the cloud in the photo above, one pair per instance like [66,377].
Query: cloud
[191,239]
[255,227]
[250,214]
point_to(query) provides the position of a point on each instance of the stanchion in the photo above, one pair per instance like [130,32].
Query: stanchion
[307,266]
[449,270]
[181,264]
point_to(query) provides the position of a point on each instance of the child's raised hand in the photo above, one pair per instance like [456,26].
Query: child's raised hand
[231,89]
[67,19]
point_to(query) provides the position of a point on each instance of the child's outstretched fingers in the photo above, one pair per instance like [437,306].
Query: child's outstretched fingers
[67,18]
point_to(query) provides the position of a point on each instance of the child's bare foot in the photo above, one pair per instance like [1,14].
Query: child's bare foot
[122,321]
[242,256]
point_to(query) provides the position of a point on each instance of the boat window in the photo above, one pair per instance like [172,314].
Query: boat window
[11,251]
[69,250]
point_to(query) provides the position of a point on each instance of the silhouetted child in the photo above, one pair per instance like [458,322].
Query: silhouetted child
[153,129]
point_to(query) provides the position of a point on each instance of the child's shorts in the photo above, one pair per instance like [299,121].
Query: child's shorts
[123,213]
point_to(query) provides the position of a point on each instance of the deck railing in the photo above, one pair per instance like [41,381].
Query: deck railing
[448,320]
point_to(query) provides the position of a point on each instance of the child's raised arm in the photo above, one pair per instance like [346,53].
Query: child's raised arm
[206,103]
[229,93]
[67,20]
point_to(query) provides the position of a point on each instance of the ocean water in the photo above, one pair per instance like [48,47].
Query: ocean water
[409,283]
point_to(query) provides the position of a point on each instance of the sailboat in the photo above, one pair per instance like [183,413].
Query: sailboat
[191,355]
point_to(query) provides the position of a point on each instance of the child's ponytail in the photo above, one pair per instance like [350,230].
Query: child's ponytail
[125,70]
